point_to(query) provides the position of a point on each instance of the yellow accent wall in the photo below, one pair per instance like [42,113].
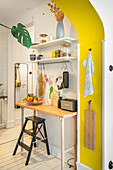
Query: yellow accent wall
[90,33]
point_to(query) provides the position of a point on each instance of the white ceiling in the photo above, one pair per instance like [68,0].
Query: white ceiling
[11,9]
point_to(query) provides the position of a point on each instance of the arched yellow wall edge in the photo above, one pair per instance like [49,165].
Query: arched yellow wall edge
[90,33]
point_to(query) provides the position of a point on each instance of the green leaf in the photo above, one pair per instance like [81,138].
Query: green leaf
[51,90]
[49,96]
[22,35]
[14,31]
[20,26]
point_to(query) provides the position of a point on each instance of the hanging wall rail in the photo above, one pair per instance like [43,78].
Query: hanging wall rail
[54,60]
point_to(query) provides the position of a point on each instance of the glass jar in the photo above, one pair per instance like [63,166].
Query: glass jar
[33,56]
[66,50]
[43,38]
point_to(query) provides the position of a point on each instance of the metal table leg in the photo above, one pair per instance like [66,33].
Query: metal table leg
[62,144]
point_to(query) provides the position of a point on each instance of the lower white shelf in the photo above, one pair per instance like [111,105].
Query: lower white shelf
[54,60]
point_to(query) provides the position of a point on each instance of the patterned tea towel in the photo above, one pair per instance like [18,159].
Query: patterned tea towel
[88,64]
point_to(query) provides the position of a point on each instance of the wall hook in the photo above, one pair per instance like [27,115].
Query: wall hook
[110,165]
[43,67]
[89,101]
[65,65]
[110,68]
[90,49]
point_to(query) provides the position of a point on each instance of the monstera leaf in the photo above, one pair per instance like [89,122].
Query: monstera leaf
[21,34]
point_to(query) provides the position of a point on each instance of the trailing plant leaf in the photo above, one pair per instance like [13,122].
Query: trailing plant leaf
[14,31]
[20,32]
[22,35]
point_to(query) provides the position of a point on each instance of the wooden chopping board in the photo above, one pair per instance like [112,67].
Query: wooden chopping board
[89,135]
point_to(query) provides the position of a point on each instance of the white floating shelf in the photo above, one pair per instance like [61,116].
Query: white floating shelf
[54,60]
[54,43]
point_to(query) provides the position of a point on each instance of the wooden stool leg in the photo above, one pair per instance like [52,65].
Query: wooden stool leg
[31,146]
[75,142]
[62,144]
[20,137]
[45,133]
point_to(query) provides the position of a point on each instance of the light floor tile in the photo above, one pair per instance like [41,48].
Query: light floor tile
[39,159]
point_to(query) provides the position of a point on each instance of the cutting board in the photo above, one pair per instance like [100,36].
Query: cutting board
[54,99]
[89,135]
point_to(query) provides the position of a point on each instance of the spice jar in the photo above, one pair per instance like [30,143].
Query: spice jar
[43,38]
[66,50]
[58,53]
[33,56]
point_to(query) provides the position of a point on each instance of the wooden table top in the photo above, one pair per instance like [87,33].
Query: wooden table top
[48,109]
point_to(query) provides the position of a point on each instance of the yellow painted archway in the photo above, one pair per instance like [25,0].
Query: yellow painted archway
[90,33]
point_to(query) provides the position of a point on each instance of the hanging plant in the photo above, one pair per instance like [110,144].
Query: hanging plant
[21,34]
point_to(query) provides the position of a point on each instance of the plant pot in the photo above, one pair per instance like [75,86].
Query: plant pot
[60,30]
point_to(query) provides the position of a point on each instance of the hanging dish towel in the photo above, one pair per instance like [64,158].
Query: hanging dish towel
[40,84]
[18,80]
[88,64]
[37,83]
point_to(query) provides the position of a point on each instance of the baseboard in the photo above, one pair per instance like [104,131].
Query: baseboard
[3,125]
[10,124]
[54,150]
[18,121]
[82,167]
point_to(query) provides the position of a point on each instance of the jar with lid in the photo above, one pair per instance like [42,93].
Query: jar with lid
[33,56]
[66,50]
[43,38]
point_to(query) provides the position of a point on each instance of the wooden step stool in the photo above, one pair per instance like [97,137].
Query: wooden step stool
[36,122]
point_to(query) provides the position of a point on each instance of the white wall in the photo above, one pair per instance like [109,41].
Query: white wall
[16,54]
[3,71]
[3,57]
[42,24]
[105,11]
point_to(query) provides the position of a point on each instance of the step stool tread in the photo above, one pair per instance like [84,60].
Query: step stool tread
[28,132]
[35,119]
[23,145]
